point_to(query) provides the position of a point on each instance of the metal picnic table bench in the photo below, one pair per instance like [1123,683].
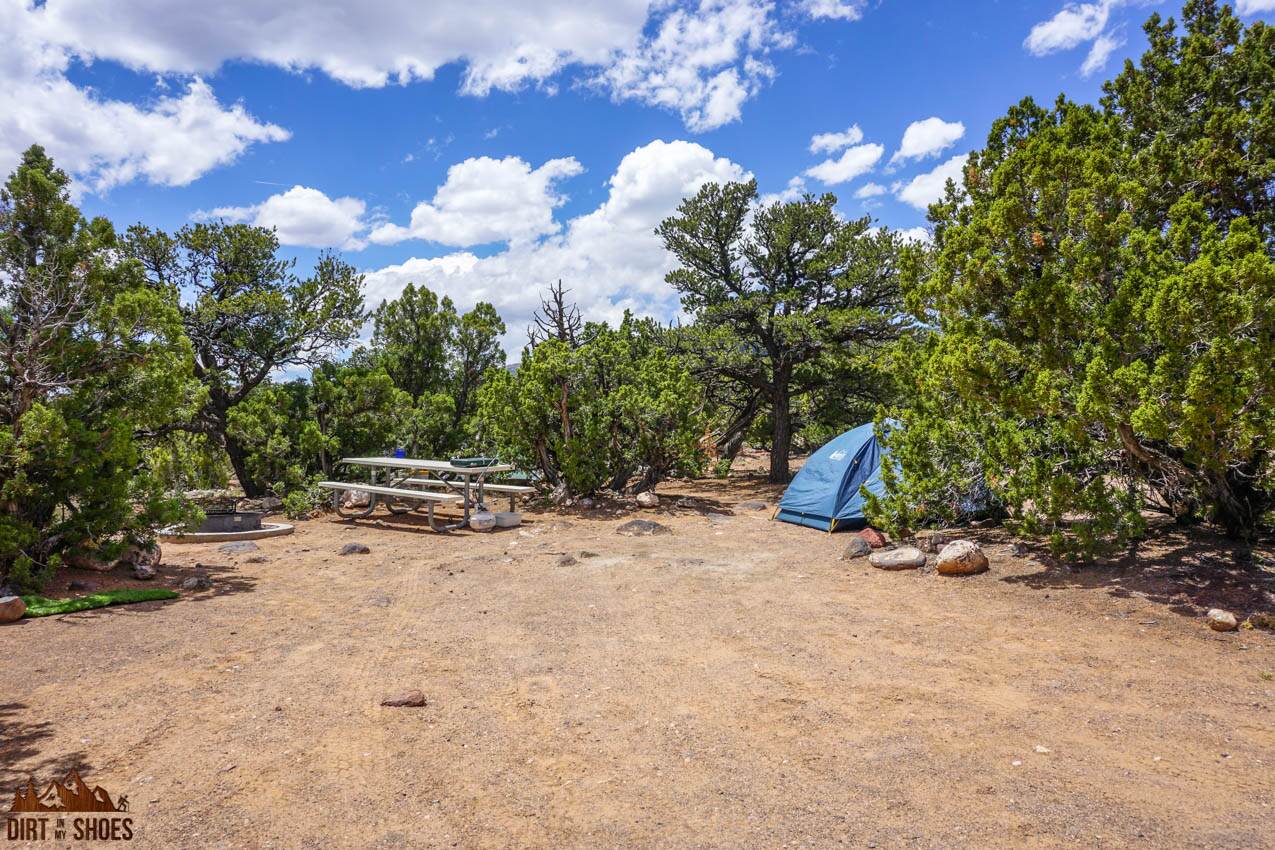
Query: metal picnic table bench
[462,484]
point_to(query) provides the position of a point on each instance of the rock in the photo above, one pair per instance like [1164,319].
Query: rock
[647,499]
[78,585]
[875,538]
[380,600]
[12,608]
[142,554]
[567,561]
[903,558]
[856,548]
[407,699]
[752,506]
[239,547]
[586,503]
[143,572]
[88,560]
[1262,620]
[929,540]
[961,558]
[1018,549]
[257,559]
[213,501]
[1042,749]
[559,494]
[356,499]
[264,505]
[1222,621]
[588,554]
[197,583]
[685,502]
[355,549]
[642,528]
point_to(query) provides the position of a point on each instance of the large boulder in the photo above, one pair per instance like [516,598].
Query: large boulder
[647,499]
[11,608]
[142,555]
[903,558]
[961,558]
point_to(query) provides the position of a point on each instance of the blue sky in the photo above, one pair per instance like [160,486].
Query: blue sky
[486,147]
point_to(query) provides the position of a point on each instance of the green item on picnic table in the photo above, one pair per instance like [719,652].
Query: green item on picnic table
[471,462]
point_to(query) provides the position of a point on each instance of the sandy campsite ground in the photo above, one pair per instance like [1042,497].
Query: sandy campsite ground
[731,684]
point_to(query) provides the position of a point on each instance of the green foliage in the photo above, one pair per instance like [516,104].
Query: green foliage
[788,299]
[40,606]
[590,417]
[247,315]
[411,337]
[90,356]
[1101,292]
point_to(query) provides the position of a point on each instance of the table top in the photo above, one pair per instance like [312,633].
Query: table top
[430,465]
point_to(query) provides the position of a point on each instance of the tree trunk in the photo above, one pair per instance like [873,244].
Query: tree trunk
[781,439]
[732,439]
[239,461]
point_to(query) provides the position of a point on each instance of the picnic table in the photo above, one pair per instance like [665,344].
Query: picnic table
[407,484]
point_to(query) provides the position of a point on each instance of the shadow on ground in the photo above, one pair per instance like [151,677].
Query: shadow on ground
[1189,570]
[21,753]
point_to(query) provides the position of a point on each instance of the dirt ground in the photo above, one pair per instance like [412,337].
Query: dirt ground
[732,684]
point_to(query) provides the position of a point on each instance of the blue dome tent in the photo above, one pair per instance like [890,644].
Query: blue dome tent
[825,494]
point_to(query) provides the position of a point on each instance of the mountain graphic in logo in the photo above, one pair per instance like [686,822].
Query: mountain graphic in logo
[72,794]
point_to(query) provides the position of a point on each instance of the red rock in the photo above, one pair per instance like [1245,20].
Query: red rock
[875,538]
[408,699]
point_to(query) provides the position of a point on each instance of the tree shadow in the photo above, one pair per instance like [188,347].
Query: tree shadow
[1186,569]
[22,754]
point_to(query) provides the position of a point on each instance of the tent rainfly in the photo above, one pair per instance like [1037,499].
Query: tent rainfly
[826,492]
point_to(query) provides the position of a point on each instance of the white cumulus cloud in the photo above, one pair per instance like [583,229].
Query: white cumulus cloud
[1075,24]
[853,162]
[1101,50]
[700,62]
[610,257]
[928,137]
[844,10]
[870,190]
[303,216]
[830,142]
[925,189]
[487,200]
[169,140]
[1253,7]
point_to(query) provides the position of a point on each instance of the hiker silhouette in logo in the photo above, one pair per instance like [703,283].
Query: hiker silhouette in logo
[121,803]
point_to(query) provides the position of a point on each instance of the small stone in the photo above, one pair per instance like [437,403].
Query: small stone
[1016,763]
[588,554]
[856,548]
[685,502]
[752,506]
[931,541]
[239,547]
[258,559]
[647,499]
[77,585]
[567,561]
[1018,550]
[143,572]
[354,549]
[1222,621]
[586,503]
[961,558]
[407,699]
[380,600]
[1043,750]
[716,518]
[875,538]
[642,528]
[356,499]
[12,608]
[197,583]
[903,558]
